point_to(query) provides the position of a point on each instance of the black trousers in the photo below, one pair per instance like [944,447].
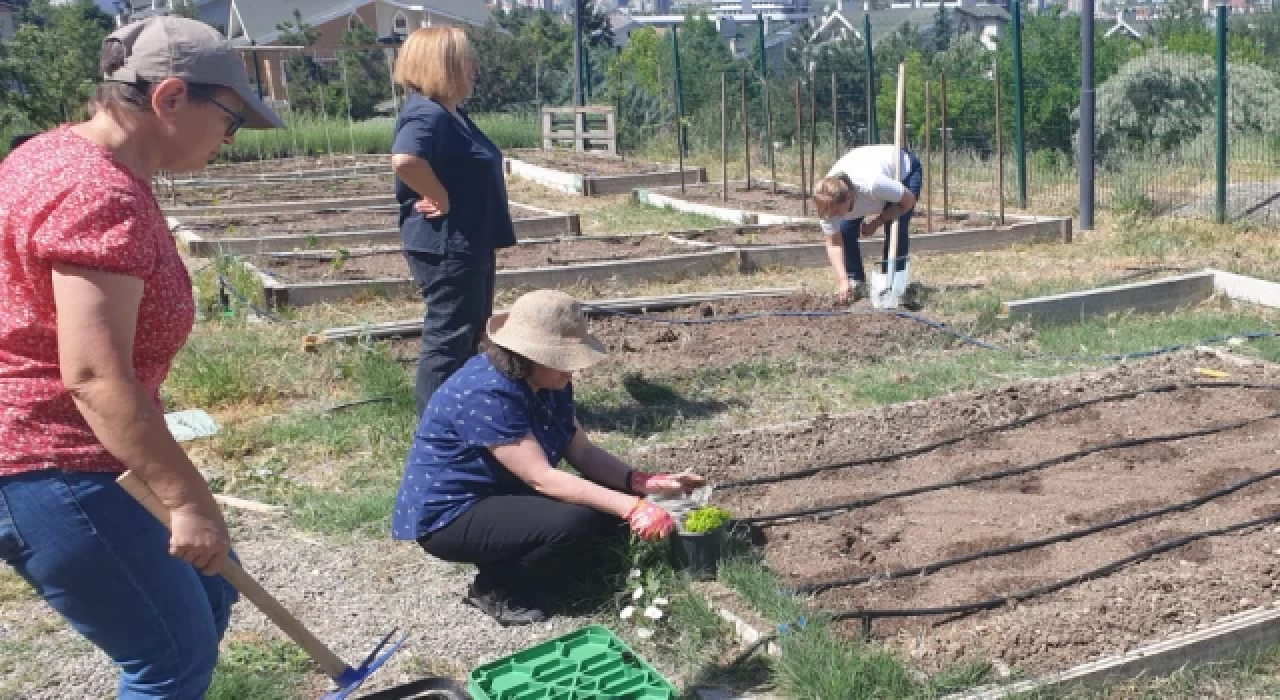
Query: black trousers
[524,542]
[458,291]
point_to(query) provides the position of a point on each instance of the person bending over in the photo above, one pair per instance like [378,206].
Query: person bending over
[858,196]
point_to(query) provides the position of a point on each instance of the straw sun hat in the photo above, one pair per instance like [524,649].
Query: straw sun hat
[550,328]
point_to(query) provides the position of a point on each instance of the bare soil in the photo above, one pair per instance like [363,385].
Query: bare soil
[371,185]
[588,164]
[640,349]
[327,266]
[1173,592]
[289,165]
[307,223]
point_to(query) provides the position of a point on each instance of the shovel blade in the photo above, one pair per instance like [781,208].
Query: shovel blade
[887,290]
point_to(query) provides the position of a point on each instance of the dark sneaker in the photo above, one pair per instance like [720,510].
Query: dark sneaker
[506,610]
[858,292]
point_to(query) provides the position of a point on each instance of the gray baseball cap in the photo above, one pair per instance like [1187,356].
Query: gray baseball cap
[176,47]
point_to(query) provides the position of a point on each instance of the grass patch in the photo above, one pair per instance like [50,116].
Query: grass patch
[1253,677]
[226,363]
[630,216]
[366,512]
[311,135]
[13,588]
[260,670]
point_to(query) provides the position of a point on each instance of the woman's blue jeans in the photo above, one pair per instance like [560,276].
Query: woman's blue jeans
[851,230]
[102,561]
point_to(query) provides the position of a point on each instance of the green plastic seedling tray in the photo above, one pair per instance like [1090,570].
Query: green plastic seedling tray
[586,664]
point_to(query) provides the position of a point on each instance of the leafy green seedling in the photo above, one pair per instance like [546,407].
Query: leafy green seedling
[705,519]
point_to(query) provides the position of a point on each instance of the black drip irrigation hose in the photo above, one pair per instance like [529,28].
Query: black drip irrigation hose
[944,328]
[814,588]
[868,615]
[1003,473]
[1017,423]
[963,609]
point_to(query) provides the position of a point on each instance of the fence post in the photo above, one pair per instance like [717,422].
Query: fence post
[1019,143]
[999,145]
[768,111]
[942,114]
[813,128]
[928,160]
[724,136]
[1086,115]
[835,120]
[799,141]
[577,54]
[675,65]
[746,128]
[1220,203]
[873,132]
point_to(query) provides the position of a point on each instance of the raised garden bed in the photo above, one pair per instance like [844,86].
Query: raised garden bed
[589,174]
[306,278]
[260,233]
[319,187]
[889,534]
[307,166]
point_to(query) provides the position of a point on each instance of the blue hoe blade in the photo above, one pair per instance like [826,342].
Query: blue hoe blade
[352,678]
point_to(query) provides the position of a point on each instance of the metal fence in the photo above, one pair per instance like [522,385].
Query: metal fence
[1159,150]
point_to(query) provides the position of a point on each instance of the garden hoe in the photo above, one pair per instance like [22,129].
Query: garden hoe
[348,679]
[888,282]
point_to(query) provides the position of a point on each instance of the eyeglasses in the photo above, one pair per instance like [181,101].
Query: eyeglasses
[237,119]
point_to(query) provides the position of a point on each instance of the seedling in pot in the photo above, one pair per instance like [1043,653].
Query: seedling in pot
[705,519]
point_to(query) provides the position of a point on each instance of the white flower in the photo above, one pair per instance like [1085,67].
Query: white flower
[635,573]
[638,592]
[627,612]
[644,633]
[660,601]
[652,613]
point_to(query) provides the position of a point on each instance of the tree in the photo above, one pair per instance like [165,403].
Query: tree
[943,29]
[596,29]
[307,82]
[48,70]
[504,78]
[364,71]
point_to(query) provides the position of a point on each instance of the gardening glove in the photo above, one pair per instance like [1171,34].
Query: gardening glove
[665,484]
[648,521]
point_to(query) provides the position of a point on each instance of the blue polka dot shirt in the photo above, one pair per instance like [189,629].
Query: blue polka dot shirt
[450,467]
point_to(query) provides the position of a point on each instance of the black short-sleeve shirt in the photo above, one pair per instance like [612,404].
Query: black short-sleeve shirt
[469,166]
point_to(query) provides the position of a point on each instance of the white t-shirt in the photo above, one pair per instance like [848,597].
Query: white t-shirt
[870,169]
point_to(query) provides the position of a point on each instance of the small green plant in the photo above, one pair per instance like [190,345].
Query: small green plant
[705,519]
[340,260]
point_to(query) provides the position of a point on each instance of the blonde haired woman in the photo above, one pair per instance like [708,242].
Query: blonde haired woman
[453,201]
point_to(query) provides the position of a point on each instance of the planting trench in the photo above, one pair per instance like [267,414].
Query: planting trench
[1238,437]
[587,164]
[304,224]
[316,187]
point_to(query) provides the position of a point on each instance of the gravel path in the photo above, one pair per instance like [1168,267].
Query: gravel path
[349,594]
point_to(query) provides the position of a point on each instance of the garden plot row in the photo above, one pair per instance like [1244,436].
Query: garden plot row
[287,168]
[742,330]
[870,534]
[238,234]
[310,188]
[326,276]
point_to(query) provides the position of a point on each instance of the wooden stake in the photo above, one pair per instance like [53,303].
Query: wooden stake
[928,161]
[799,141]
[999,146]
[746,130]
[724,137]
[942,114]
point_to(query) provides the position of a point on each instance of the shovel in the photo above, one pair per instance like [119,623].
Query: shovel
[348,679]
[888,283]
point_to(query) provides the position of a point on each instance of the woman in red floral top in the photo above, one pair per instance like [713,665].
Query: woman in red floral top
[96,304]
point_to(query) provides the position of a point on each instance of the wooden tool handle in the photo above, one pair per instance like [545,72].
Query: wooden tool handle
[899,137]
[247,585]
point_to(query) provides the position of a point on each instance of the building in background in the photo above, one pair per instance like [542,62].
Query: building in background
[987,22]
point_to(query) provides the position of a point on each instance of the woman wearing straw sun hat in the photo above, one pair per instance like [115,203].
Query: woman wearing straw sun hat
[97,303]
[480,484]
